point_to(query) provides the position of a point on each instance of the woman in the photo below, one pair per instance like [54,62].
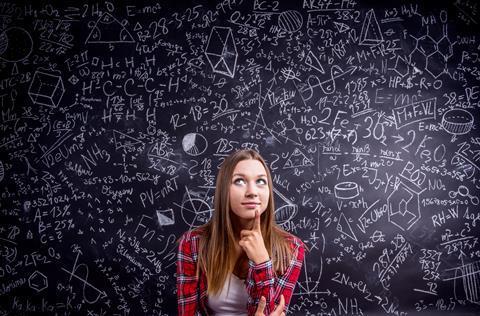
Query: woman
[240,262]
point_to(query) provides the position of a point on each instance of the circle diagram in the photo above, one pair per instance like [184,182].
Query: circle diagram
[290,21]
[15,44]
[194,144]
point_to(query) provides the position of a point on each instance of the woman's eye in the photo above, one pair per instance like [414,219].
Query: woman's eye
[239,181]
[262,181]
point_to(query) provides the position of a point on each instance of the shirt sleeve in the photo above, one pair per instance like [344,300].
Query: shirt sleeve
[187,281]
[262,281]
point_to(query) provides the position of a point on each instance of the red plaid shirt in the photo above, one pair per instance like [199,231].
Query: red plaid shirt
[261,279]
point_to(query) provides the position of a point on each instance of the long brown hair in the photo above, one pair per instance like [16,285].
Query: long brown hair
[217,242]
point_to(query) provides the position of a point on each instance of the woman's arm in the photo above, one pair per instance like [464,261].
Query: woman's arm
[263,282]
[187,280]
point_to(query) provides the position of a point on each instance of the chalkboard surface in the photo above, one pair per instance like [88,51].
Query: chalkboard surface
[115,118]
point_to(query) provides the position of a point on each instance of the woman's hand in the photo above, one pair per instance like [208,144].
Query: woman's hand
[251,241]
[278,310]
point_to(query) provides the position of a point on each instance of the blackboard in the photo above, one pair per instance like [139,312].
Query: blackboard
[115,118]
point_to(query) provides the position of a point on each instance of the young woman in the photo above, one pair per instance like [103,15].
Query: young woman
[240,262]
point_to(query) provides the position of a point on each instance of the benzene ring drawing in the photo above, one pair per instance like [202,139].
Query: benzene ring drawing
[403,207]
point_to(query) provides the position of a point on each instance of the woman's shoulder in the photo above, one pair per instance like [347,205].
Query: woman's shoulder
[192,235]
[294,241]
[188,244]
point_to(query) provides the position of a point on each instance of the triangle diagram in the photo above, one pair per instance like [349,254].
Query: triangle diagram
[269,66]
[109,30]
[313,62]
[222,67]
[124,141]
[31,139]
[15,69]
[341,27]
[371,33]
[297,159]
[343,226]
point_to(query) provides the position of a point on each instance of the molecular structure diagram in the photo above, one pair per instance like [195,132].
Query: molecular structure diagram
[431,54]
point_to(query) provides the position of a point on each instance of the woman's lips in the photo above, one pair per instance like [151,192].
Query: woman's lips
[250,205]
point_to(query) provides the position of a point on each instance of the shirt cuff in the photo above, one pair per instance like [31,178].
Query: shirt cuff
[262,273]
[262,265]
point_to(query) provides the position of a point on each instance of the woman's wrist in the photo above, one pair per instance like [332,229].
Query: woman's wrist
[261,259]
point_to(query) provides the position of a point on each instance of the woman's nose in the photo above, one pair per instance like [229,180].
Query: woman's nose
[251,190]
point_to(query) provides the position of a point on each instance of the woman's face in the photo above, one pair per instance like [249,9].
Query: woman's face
[249,190]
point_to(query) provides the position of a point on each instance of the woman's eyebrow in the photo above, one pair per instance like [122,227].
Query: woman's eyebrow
[242,175]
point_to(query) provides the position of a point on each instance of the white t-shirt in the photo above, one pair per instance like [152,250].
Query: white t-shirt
[232,300]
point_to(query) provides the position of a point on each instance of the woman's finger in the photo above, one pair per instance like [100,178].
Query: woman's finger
[261,306]
[256,225]
[282,302]
[245,240]
[278,311]
[244,233]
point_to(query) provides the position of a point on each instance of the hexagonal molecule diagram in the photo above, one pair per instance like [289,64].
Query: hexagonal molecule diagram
[46,88]
[403,207]
[38,281]
[431,54]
